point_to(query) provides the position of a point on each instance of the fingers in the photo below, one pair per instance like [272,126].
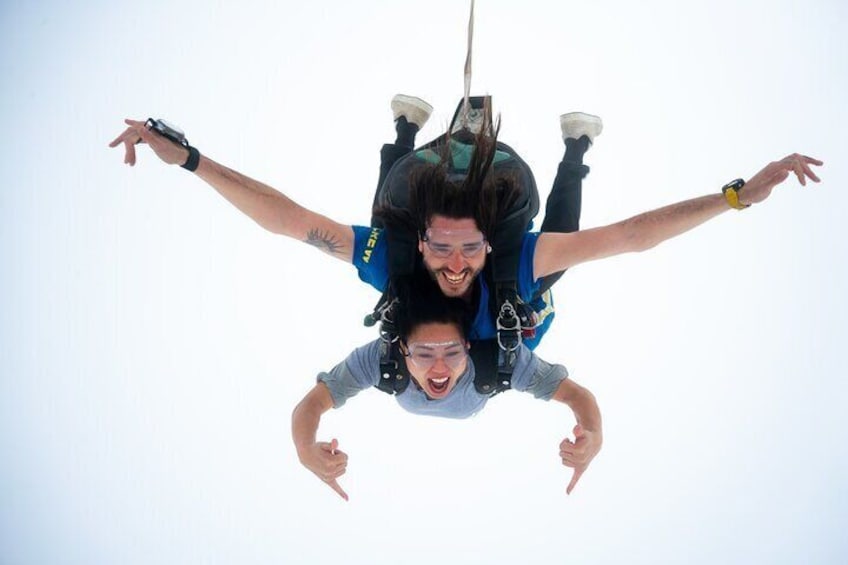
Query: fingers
[118,140]
[578,431]
[334,462]
[133,134]
[574,478]
[571,453]
[335,486]
[805,165]
[330,477]
[580,451]
[336,468]
[145,134]
[332,473]
[570,461]
[809,172]
[333,448]
[798,169]
[326,462]
[129,152]
[800,165]
[575,454]
[804,159]
[168,151]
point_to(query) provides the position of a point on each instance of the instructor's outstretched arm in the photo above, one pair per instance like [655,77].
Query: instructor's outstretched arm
[558,251]
[268,207]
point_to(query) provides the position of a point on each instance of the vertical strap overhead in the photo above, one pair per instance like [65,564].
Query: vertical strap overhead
[467,91]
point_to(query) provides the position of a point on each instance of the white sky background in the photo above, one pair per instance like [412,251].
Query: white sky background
[154,340]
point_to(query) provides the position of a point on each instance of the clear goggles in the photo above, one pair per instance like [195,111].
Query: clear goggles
[442,243]
[425,355]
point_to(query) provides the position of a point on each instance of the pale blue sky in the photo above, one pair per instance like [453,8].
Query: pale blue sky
[154,341]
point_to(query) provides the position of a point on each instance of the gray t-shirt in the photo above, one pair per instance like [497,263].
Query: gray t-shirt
[361,370]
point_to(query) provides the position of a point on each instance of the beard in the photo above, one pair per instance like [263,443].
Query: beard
[451,289]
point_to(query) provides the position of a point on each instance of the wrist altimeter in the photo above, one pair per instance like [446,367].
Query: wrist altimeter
[731,193]
[167,130]
[175,134]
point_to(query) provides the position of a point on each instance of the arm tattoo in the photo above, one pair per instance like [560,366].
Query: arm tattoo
[325,241]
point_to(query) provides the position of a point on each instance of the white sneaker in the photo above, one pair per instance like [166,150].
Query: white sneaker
[415,110]
[574,125]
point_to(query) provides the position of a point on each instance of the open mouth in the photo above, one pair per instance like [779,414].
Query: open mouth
[438,386]
[455,279]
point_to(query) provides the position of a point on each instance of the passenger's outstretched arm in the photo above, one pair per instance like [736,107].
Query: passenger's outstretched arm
[558,251]
[323,459]
[268,207]
[588,433]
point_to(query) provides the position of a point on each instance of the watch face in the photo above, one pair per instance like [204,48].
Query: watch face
[168,130]
[175,131]
[734,184]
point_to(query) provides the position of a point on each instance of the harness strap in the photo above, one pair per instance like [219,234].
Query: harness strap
[489,379]
[394,377]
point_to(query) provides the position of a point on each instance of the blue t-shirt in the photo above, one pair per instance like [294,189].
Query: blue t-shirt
[370,257]
[361,370]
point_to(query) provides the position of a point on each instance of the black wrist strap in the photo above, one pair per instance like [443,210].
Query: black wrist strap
[193,159]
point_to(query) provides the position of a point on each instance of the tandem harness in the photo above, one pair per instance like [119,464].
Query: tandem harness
[494,359]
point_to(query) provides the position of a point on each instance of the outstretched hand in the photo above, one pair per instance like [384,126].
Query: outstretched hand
[759,187]
[327,462]
[580,452]
[170,152]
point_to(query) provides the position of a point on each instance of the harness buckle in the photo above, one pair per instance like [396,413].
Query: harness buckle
[509,327]
[529,320]
[388,331]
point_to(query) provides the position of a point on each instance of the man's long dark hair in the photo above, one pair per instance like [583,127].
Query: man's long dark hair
[481,194]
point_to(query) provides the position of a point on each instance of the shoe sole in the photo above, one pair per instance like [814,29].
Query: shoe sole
[592,125]
[413,108]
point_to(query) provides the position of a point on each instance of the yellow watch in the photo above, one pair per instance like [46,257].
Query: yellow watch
[731,193]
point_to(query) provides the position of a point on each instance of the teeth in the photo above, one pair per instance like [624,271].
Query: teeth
[440,381]
[455,279]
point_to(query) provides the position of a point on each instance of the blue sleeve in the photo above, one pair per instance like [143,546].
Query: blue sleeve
[359,371]
[527,287]
[370,256]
